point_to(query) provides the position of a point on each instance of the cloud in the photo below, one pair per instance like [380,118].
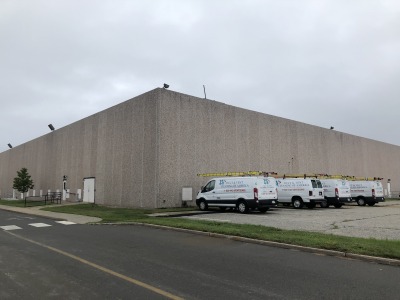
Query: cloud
[326,63]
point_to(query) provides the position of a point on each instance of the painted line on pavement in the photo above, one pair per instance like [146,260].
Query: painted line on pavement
[39,225]
[10,227]
[105,270]
[66,222]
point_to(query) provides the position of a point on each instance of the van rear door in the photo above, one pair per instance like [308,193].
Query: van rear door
[267,188]
[317,189]
[343,187]
[378,189]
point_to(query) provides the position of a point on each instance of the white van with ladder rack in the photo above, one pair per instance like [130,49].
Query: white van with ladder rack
[336,191]
[297,191]
[368,191]
[243,193]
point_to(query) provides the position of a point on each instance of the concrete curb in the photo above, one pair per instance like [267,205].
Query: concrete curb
[374,259]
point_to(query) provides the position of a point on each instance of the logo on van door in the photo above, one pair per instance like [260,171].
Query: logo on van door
[222,181]
[266,181]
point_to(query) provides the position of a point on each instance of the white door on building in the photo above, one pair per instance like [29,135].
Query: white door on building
[88,189]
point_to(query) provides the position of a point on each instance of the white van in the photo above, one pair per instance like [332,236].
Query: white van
[300,192]
[367,192]
[336,192]
[242,193]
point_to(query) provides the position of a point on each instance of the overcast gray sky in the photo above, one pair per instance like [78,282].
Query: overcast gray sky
[322,62]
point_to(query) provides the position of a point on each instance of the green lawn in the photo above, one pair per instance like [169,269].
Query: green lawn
[21,203]
[373,247]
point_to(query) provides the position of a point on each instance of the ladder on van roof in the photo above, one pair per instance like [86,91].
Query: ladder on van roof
[353,178]
[238,174]
[276,175]
[347,177]
[310,175]
[326,176]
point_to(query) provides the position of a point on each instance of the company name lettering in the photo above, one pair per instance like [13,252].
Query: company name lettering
[233,184]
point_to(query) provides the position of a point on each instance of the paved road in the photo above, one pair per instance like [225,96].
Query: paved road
[381,221]
[116,262]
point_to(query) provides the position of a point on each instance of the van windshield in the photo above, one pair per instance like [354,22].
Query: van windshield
[209,187]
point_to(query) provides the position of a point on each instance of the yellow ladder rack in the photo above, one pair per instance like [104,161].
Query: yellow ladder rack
[238,174]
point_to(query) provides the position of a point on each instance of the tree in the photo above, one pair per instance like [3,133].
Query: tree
[23,182]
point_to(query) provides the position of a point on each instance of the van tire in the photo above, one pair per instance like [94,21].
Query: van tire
[371,203]
[338,205]
[203,205]
[361,201]
[242,207]
[263,209]
[297,202]
[324,204]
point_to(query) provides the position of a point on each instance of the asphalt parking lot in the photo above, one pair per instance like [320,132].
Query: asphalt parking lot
[381,221]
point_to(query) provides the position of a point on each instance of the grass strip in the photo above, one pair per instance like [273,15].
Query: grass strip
[366,246]
[21,203]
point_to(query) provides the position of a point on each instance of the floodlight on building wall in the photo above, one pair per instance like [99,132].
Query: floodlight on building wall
[166,86]
[51,127]
[332,127]
[10,146]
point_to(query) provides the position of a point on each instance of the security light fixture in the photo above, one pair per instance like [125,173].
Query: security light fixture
[332,127]
[9,145]
[51,127]
[166,86]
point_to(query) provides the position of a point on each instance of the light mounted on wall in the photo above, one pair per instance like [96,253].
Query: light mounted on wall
[332,127]
[51,127]
[10,146]
[166,86]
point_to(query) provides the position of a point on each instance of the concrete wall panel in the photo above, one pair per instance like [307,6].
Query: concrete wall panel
[150,151]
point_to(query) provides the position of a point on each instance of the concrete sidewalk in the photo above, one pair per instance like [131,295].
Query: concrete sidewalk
[36,210]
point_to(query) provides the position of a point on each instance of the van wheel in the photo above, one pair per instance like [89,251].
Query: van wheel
[203,205]
[361,201]
[338,205]
[263,209]
[371,203]
[298,203]
[324,204]
[242,207]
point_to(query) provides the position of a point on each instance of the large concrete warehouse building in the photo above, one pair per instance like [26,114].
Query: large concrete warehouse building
[147,151]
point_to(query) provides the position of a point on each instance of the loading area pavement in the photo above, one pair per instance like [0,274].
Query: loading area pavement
[381,221]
